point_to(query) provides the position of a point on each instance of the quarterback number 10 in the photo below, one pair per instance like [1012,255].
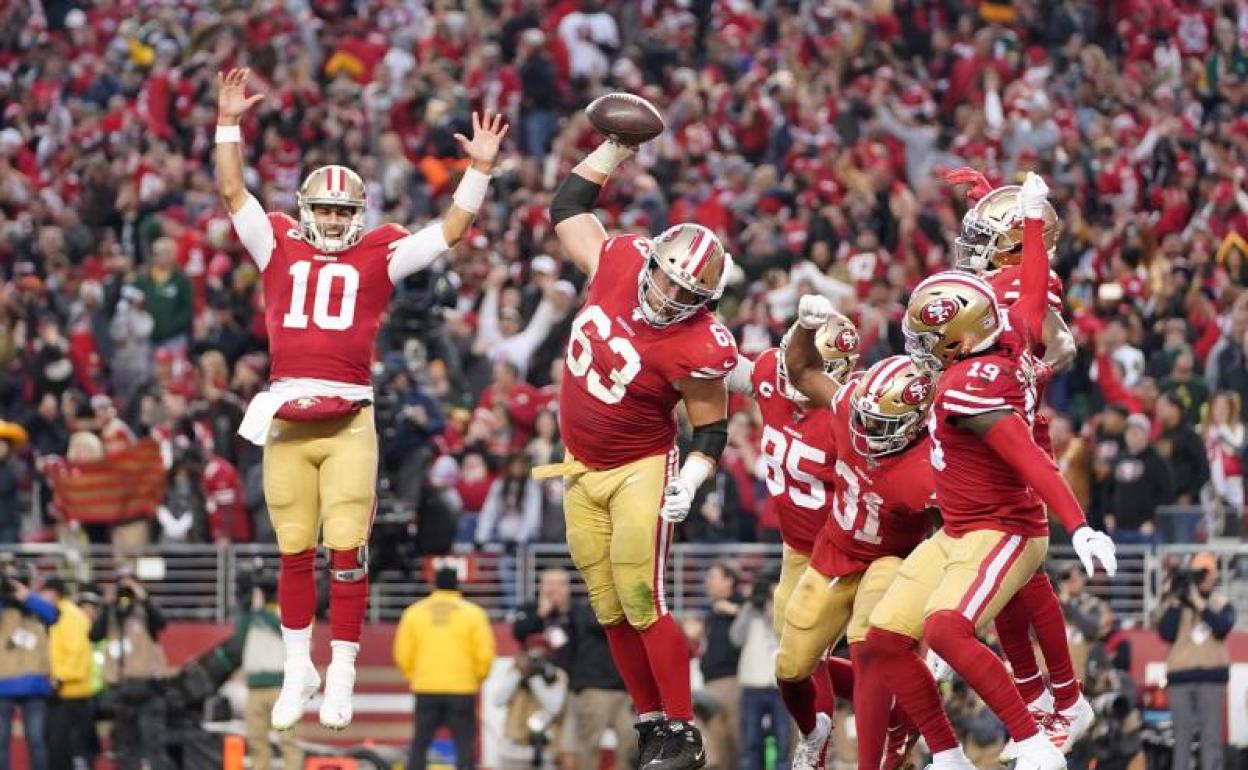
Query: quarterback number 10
[297,317]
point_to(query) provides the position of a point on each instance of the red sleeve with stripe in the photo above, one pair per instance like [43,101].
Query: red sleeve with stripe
[1028,313]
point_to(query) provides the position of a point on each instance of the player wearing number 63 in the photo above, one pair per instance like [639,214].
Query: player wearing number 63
[879,512]
[326,284]
[643,342]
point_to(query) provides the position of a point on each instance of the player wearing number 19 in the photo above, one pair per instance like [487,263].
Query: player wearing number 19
[643,342]
[326,284]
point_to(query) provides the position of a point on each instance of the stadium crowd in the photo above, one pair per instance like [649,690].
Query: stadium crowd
[812,136]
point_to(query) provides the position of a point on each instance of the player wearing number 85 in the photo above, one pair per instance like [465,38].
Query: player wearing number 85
[643,342]
[326,284]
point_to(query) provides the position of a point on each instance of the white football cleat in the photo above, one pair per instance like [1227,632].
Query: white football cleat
[299,685]
[811,748]
[1038,753]
[336,706]
[1066,727]
[1041,710]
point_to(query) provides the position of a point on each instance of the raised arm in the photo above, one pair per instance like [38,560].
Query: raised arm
[418,250]
[250,222]
[1028,313]
[571,211]
[801,357]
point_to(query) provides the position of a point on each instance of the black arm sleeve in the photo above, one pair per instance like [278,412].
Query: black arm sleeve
[576,195]
[711,439]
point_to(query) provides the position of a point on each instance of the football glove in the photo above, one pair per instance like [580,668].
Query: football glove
[813,311]
[980,186]
[1032,197]
[1093,546]
[677,500]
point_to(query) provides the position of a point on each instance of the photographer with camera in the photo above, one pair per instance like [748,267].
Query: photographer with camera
[534,693]
[259,631]
[754,633]
[1195,621]
[134,672]
[25,662]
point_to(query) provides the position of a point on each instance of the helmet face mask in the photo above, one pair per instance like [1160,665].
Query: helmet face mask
[973,248]
[888,407]
[992,232]
[325,196]
[664,302]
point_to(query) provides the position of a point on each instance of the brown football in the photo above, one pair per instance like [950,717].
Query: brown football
[626,118]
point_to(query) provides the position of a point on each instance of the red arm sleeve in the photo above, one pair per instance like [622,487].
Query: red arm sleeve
[1012,440]
[1028,313]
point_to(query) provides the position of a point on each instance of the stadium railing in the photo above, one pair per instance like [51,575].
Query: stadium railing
[205,582]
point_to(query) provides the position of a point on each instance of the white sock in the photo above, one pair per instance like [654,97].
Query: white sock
[343,653]
[1036,742]
[298,642]
[650,716]
[950,758]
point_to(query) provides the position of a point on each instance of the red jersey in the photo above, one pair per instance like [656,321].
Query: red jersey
[228,518]
[617,394]
[975,489]
[880,506]
[796,443]
[322,311]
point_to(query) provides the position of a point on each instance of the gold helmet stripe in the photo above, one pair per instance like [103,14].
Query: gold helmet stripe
[699,251]
[966,279]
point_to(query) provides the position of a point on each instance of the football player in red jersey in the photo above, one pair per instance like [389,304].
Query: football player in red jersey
[644,342]
[796,444]
[991,245]
[326,284]
[881,506]
[992,484]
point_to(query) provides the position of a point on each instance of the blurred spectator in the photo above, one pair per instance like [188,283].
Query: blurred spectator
[549,616]
[131,332]
[753,632]
[1225,443]
[719,658]
[1074,458]
[534,693]
[25,682]
[473,487]
[12,438]
[540,93]
[1195,621]
[444,648]
[1139,481]
[1185,387]
[1182,449]
[135,670]
[169,300]
[229,521]
[71,719]
[512,514]
[259,633]
[1085,615]
[501,334]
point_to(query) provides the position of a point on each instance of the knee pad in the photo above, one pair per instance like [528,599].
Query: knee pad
[347,533]
[606,607]
[349,566]
[639,603]
[791,664]
[947,630]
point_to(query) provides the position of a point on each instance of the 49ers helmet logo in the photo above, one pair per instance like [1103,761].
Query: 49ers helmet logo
[847,340]
[917,391]
[938,311]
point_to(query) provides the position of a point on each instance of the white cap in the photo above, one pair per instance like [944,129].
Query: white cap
[544,263]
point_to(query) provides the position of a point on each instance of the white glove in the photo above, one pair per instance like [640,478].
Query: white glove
[813,311]
[941,671]
[1032,197]
[677,500]
[1092,544]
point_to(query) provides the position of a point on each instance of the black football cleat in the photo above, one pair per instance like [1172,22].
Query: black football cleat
[649,740]
[682,748]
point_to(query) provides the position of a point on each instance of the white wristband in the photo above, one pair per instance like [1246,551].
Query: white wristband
[229,134]
[695,471]
[607,156]
[470,193]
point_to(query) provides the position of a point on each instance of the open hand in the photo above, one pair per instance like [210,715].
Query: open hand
[487,135]
[232,98]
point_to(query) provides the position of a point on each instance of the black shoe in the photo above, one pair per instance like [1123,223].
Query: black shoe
[682,749]
[649,740]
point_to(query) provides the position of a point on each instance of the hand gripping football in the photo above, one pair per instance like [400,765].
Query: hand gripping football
[625,118]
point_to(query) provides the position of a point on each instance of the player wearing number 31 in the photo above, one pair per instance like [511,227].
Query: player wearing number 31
[326,284]
[643,342]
